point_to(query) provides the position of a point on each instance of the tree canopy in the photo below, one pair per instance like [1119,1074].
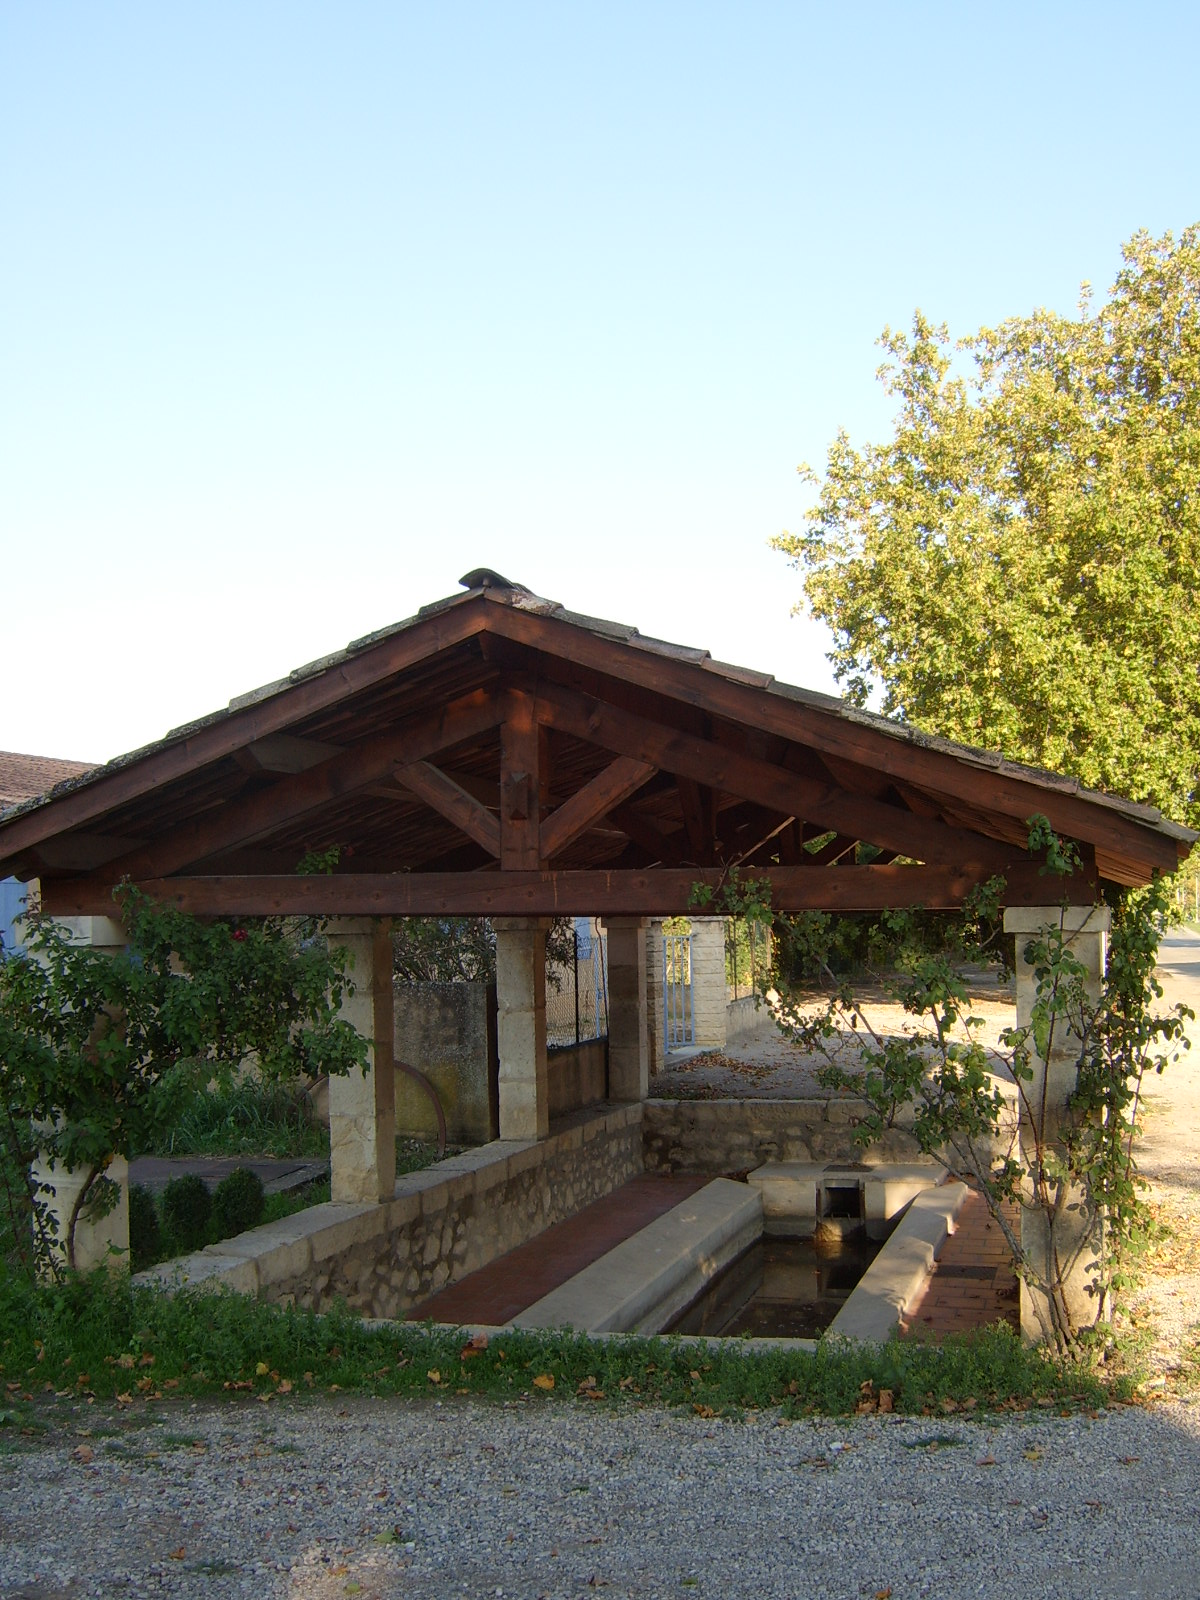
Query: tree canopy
[1019,565]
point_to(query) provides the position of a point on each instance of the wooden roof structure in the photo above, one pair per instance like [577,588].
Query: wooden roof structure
[499,755]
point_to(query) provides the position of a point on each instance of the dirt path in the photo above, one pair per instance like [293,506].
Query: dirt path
[1169,1159]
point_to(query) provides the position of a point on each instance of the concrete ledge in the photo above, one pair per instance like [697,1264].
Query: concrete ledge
[793,1192]
[893,1279]
[644,1282]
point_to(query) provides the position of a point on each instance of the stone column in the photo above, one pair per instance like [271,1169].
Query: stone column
[362,1105]
[104,1241]
[521,1027]
[628,1047]
[1045,1103]
[709,995]
[655,1047]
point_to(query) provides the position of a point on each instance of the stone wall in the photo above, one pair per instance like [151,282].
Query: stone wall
[448,1032]
[747,1019]
[443,1222]
[722,1136]
[577,1076]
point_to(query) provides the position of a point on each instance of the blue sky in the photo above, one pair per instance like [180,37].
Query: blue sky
[307,310]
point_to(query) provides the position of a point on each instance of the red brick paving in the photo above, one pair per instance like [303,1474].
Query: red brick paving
[973,1284]
[498,1292]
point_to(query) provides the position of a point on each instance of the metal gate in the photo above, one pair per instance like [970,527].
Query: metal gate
[678,1021]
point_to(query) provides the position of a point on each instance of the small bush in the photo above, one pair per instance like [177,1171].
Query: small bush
[186,1209]
[238,1203]
[145,1233]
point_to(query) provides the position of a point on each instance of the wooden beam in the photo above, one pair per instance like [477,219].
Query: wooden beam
[449,800]
[261,813]
[696,807]
[646,831]
[981,781]
[229,732]
[520,785]
[619,780]
[655,891]
[717,767]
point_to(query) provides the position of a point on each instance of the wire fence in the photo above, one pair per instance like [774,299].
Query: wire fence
[577,991]
[747,957]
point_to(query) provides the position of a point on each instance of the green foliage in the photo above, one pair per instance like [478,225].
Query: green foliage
[186,1209]
[99,1053]
[1019,565]
[238,1203]
[463,949]
[1074,1166]
[96,1334]
[145,1232]
[244,1117]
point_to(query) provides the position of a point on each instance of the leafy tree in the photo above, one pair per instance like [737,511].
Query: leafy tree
[463,949]
[99,1052]
[1019,565]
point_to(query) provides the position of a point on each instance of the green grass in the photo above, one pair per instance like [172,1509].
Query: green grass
[247,1118]
[99,1336]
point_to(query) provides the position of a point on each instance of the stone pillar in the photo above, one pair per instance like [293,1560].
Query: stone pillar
[362,1105]
[1045,1103]
[521,1027]
[628,1046]
[104,1241]
[655,1046]
[709,995]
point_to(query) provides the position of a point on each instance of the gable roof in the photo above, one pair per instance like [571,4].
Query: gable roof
[500,752]
[24,778]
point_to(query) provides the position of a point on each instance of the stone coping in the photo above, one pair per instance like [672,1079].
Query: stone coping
[646,1280]
[893,1280]
[278,1251]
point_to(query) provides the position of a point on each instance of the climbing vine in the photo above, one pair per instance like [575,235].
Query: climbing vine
[983,1111]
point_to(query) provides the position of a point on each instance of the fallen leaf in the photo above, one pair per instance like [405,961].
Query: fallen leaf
[178,1555]
[884,1594]
[126,1361]
[434,1375]
[83,1453]
[124,1399]
[544,1380]
[1033,1454]
[702,1411]
[473,1346]
[285,1386]
[886,1400]
[986,1461]
[1128,1461]
[261,1370]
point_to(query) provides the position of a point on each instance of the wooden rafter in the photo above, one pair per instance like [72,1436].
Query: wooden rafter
[716,766]
[620,780]
[451,800]
[296,797]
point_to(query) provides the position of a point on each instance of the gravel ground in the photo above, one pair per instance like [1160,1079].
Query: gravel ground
[318,1499]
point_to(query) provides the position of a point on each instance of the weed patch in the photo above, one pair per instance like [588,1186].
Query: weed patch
[101,1336]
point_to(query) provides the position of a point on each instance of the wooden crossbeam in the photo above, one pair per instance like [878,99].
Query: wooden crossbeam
[619,780]
[451,801]
[718,767]
[981,783]
[262,813]
[656,891]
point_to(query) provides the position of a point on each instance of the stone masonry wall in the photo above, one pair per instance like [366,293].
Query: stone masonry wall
[443,1222]
[721,1136]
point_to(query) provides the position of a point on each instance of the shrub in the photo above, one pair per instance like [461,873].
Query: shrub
[186,1208]
[238,1203]
[145,1233]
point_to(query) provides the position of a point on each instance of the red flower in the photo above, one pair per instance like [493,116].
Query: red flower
[239,934]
